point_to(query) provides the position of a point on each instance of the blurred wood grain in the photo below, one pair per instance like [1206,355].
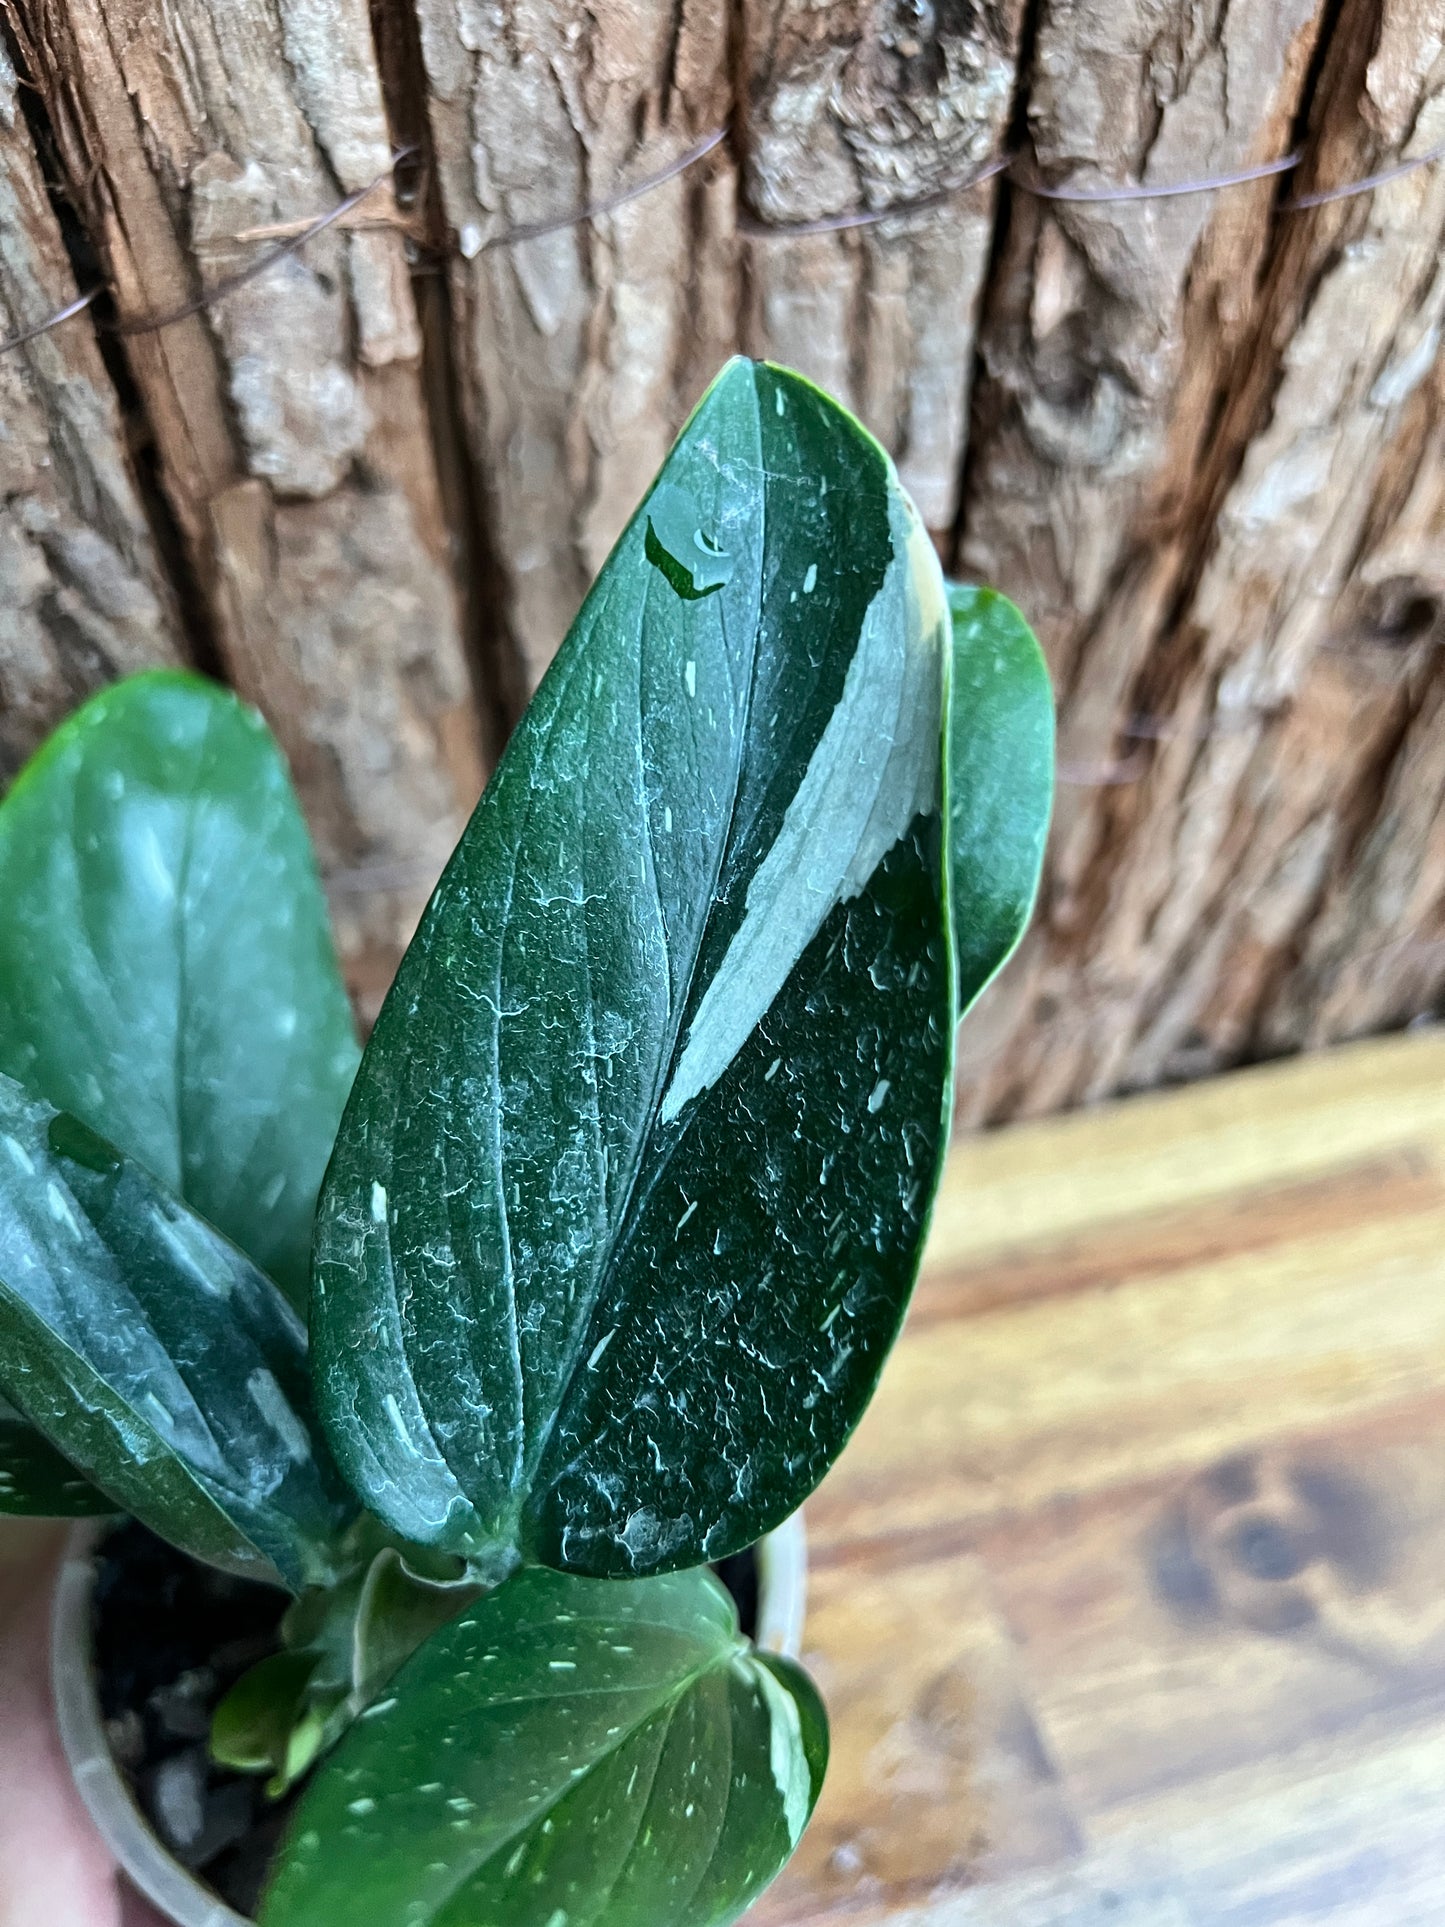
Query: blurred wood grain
[1129,1597]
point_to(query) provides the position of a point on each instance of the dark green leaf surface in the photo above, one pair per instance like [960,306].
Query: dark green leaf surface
[630,1194]
[154,1355]
[34,1479]
[569,1750]
[1000,780]
[166,970]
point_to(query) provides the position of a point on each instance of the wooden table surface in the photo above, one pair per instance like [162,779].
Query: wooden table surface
[1128,1599]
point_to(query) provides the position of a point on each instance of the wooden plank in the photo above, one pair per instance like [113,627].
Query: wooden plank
[1160,1153]
[1126,1596]
[83,595]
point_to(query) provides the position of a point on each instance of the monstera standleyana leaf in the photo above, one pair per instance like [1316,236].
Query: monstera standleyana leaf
[35,1479]
[155,1356]
[566,1750]
[999,771]
[631,1190]
[166,970]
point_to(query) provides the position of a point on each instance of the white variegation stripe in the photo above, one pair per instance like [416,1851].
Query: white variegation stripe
[875,768]
[787,1756]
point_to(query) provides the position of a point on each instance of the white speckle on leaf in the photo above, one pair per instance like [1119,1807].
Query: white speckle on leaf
[270,1401]
[877,1094]
[20,1156]
[360,1807]
[190,1246]
[810,580]
[687,1214]
[160,1413]
[157,870]
[599,1348]
[375,1712]
[378,1202]
[689,676]
[60,1208]
[562,1665]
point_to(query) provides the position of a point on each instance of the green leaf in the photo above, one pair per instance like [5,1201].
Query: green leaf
[569,1749]
[1000,781]
[630,1194]
[166,970]
[398,1611]
[252,1727]
[36,1480]
[154,1355]
[343,1643]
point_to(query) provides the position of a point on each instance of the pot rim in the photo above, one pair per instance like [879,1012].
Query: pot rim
[137,1849]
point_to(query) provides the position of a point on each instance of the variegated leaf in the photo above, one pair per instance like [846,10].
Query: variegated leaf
[630,1194]
[567,1750]
[155,1356]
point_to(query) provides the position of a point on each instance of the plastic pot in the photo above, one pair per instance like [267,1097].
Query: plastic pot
[146,1863]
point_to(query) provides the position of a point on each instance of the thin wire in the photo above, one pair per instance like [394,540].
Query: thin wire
[748,223]
[1368,184]
[1008,164]
[150,324]
[1160,190]
[534,230]
[80,303]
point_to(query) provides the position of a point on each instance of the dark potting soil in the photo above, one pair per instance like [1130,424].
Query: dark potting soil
[171,1639]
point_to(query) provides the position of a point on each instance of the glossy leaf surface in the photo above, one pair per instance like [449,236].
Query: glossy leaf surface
[166,969]
[569,1749]
[1000,781]
[154,1355]
[630,1194]
[36,1480]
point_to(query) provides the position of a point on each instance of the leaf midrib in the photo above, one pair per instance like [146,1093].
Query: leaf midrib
[669,1704]
[619,1237]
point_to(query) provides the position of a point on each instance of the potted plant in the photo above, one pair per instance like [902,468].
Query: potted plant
[618,1212]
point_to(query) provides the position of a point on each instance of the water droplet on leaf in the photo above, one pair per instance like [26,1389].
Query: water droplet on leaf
[679,546]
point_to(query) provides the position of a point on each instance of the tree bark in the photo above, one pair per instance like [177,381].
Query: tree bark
[1196,438]
[289,418]
[82,596]
[861,107]
[580,351]
[1203,497]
